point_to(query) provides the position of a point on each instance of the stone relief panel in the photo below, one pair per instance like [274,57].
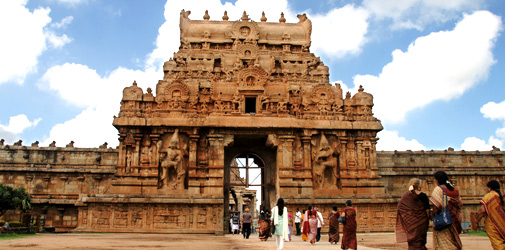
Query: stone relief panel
[137,216]
[101,216]
[153,217]
[173,165]
[325,163]
[120,217]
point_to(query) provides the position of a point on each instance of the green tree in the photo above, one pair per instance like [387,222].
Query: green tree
[11,198]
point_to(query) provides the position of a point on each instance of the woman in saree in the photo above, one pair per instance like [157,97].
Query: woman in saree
[310,224]
[412,219]
[333,233]
[264,226]
[349,240]
[305,232]
[447,238]
[492,207]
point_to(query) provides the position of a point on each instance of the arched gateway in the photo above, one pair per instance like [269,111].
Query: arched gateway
[242,89]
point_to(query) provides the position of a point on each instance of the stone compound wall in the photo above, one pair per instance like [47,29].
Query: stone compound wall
[468,171]
[57,177]
[72,186]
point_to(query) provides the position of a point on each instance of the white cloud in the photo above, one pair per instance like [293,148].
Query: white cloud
[25,36]
[17,124]
[493,111]
[63,23]
[415,14]
[340,31]
[390,140]
[100,96]
[439,66]
[23,40]
[474,143]
[71,3]
[91,128]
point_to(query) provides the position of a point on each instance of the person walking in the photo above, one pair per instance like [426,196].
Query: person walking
[333,232]
[349,239]
[246,223]
[280,219]
[412,219]
[492,207]
[298,219]
[320,224]
[310,224]
[290,224]
[445,196]
[264,226]
[235,224]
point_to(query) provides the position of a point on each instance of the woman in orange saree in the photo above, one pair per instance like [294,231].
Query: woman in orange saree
[492,206]
[264,224]
[447,238]
[412,219]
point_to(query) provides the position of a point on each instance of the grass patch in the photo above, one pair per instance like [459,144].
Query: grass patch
[11,236]
[476,233]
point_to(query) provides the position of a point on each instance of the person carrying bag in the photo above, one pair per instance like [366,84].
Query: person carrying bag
[443,219]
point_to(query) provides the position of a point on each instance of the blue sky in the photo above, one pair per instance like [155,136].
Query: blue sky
[435,68]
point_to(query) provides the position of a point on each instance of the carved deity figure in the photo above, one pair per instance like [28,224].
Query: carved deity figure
[237,101]
[129,161]
[324,164]
[171,160]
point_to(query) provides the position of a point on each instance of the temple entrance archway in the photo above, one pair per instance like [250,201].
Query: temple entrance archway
[249,177]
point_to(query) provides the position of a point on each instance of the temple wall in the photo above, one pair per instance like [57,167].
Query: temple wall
[72,188]
[469,171]
[56,178]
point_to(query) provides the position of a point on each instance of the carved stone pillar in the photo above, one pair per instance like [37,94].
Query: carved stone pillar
[286,153]
[193,150]
[306,152]
[136,155]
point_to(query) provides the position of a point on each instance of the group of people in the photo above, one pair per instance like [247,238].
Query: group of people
[415,210]
[414,215]
[311,221]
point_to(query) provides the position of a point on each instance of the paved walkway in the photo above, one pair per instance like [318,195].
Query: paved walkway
[113,241]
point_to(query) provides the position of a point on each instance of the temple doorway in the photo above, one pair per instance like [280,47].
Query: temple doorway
[249,178]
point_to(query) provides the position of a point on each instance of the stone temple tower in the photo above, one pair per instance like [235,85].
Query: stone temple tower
[238,91]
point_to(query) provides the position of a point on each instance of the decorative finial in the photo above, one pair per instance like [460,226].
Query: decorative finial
[134,82]
[225,17]
[282,19]
[263,17]
[206,17]
[245,17]
[361,89]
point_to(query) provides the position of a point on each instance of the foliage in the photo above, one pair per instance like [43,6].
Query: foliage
[477,233]
[10,236]
[11,198]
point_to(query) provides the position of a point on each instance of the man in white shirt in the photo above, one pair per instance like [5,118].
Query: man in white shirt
[298,220]
[320,223]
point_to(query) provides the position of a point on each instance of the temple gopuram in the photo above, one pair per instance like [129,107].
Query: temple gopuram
[241,105]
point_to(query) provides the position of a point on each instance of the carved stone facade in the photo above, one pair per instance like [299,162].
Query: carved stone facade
[235,89]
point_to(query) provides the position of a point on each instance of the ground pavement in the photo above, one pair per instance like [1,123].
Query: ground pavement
[113,241]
